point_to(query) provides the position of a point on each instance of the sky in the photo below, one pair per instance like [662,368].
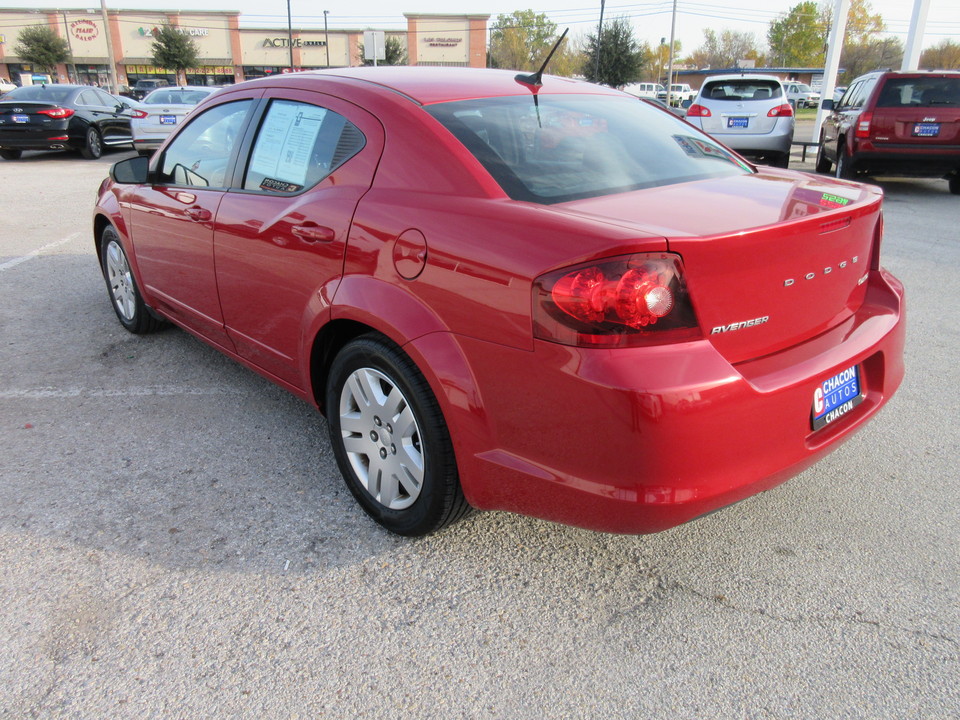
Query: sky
[651,19]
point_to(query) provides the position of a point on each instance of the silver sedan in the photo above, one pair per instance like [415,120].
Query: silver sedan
[159,113]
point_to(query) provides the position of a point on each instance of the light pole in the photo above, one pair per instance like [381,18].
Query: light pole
[326,36]
[111,58]
[599,41]
[290,35]
[66,30]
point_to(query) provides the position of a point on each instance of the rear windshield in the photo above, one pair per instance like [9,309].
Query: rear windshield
[742,89]
[175,97]
[567,147]
[45,93]
[920,92]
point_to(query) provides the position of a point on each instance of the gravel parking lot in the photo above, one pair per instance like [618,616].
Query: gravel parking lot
[176,542]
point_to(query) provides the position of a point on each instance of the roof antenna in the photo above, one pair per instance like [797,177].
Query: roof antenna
[534,79]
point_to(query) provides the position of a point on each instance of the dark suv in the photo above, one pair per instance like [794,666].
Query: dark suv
[895,123]
[143,87]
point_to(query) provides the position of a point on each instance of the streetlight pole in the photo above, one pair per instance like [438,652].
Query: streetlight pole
[66,30]
[673,27]
[326,36]
[290,35]
[599,41]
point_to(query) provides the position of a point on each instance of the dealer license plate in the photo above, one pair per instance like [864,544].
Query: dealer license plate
[738,122]
[168,119]
[926,130]
[20,118]
[836,396]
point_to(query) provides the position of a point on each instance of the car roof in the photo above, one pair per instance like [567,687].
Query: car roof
[428,85]
[740,76]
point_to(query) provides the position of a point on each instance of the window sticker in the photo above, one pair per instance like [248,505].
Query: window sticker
[285,144]
[279,185]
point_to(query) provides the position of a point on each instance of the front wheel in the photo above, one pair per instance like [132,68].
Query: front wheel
[93,145]
[823,165]
[390,439]
[124,294]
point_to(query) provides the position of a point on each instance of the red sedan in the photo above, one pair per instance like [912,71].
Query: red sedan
[540,296]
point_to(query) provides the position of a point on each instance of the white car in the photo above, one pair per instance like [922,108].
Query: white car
[679,93]
[801,95]
[158,114]
[6,86]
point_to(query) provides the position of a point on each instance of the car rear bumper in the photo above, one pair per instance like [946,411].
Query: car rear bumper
[933,162]
[640,440]
[48,139]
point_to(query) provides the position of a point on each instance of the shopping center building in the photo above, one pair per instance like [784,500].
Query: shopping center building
[227,52]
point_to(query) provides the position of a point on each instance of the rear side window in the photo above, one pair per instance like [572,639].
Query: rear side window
[920,92]
[742,89]
[567,147]
[298,145]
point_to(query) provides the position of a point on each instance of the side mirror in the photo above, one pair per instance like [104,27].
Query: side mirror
[827,104]
[133,171]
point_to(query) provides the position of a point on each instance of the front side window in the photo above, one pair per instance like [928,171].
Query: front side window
[298,145]
[566,147]
[199,156]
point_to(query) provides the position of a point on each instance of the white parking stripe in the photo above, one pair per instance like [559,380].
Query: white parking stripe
[34,253]
[39,393]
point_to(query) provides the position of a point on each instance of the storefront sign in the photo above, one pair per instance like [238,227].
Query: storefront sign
[202,70]
[84,30]
[192,32]
[442,41]
[282,42]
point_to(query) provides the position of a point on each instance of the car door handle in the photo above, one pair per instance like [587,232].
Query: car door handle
[199,214]
[311,232]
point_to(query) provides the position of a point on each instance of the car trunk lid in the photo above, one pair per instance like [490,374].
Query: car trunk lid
[770,259]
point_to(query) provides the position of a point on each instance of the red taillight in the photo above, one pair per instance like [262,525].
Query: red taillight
[696,110]
[56,113]
[621,302]
[785,110]
[139,114]
[863,125]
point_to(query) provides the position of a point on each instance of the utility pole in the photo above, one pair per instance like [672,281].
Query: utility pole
[111,58]
[599,41]
[326,36]
[673,27]
[290,35]
[66,29]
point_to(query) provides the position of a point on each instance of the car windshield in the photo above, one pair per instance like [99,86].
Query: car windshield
[44,93]
[742,89]
[567,147]
[804,88]
[175,97]
[920,92]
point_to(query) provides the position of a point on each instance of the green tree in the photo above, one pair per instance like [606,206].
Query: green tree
[724,50]
[393,50]
[621,55]
[174,50]
[521,40]
[945,55]
[39,45]
[797,38]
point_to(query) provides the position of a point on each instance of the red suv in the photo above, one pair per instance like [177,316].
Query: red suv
[897,123]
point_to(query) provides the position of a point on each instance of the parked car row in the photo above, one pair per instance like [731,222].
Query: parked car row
[88,119]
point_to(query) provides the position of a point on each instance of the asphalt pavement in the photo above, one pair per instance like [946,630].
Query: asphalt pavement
[176,542]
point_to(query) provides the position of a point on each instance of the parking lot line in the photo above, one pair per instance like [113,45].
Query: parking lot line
[39,251]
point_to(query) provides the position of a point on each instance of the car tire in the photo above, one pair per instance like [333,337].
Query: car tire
[122,286]
[823,165]
[92,145]
[781,161]
[954,184]
[844,170]
[10,154]
[390,439]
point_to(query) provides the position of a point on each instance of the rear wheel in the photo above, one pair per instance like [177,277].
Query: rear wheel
[8,154]
[93,145]
[781,161]
[844,169]
[124,294]
[954,181]
[390,439]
